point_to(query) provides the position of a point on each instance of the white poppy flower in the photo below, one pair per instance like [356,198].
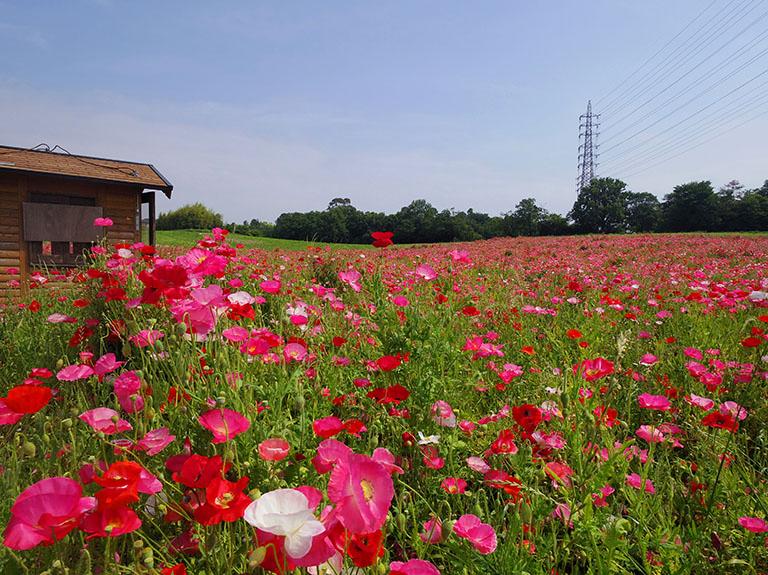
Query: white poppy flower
[286,512]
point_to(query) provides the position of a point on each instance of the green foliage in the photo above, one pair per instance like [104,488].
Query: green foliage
[691,207]
[190,217]
[601,207]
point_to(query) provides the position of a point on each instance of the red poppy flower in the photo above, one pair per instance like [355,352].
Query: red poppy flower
[527,416]
[721,421]
[388,362]
[27,398]
[382,239]
[392,394]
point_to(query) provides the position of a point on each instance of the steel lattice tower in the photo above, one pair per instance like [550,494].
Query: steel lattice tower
[588,132]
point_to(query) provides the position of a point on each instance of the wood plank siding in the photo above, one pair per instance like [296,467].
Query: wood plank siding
[120,202]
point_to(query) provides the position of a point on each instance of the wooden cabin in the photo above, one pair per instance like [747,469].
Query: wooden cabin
[49,200]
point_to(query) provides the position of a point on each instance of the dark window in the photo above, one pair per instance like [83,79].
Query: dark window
[59,229]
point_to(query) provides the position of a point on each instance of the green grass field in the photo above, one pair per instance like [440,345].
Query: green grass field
[188,238]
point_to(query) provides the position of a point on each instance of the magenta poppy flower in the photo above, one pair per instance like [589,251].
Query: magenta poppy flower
[274,449]
[224,424]
[634,480]
[362,490]
[648,359]
[45,512]
[656,402]
[481,535]
[270,286]
[127,387]
[105,420]
[329,453]
[326,427]
[753,524]
[413,567]
[433,531]
[102,222]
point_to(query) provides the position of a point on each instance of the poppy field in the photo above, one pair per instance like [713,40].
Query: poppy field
[569,405]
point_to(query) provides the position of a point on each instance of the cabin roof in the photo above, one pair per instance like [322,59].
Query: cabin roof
[33,161]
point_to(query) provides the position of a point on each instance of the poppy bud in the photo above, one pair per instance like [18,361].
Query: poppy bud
[126,350]
[256,557]
[66,423]
[28,449]
[59,363]
[181,328]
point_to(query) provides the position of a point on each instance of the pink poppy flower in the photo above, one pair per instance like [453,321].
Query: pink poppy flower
[102,222]
[481,535]
[362,490]
[413,567]
[648,360]
[294,352]
[753,524]
[701,402]
[351,277]
[634,480]
[274,449]
[650,434]
[443,414]
[155,441]
[74,372]
[656,402]
[478,464]
[45,512]
[734,410]
[426,272]
[107,363]
[224,424]
[454,485]
[146,337]
[105,420]
[61,318]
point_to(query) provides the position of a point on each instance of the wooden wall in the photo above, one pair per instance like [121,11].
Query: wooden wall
[120,202]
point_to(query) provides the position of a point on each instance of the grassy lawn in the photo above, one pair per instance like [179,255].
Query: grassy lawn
[188,238]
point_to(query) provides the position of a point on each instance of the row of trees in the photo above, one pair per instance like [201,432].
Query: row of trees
[605,206]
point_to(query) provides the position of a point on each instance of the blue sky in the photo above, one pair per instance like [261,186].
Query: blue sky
[257,108]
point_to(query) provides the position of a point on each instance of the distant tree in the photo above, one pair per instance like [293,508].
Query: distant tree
[728,199]
[415,223]
[643,212]
[691,207]
[554,225]
[752,211]
[601,207]
[526,219]
[190,217]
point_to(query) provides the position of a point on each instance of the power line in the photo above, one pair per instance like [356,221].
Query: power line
[696,97]
[749,120]
[665,63]
[725,62]
[679,141]
[659,51]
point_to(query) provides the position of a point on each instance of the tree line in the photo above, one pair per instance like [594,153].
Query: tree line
[605,206]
